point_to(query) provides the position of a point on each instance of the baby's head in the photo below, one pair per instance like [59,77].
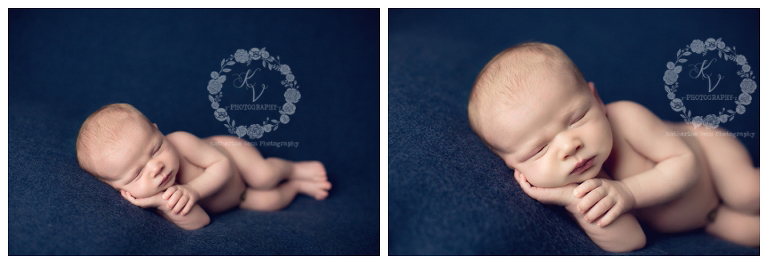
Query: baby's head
[118,145]
[531,106]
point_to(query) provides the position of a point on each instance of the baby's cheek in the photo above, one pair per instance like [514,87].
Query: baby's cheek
[545,174]
[537,176]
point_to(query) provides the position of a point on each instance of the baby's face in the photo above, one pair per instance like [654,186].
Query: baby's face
[144,163]
[555,135]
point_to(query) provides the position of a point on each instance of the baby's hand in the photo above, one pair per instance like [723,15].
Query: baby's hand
[603,197]
[559,195]
[180,198]
[153,201]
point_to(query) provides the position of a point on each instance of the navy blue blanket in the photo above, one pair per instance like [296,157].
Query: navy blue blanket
[449,195]
[65,64]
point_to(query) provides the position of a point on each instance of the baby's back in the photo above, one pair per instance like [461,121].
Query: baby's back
[688,211]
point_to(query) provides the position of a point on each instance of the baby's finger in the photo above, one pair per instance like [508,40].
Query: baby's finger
[187,208]
[180,205]
[523,183]
[611,215]
[174,199]
[130,198]
[586,186]
[591,199]
[170,191]
[599,209]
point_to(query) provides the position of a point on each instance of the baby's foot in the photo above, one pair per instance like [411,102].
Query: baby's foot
[314,189]
[309,170]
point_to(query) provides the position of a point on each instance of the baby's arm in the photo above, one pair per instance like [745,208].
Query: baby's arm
[196,218]
[218,169]
[624,234]
[676,169]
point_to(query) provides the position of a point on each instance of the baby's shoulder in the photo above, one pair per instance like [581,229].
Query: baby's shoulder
[625,108]
[181,136]
[184,141]
[629,114]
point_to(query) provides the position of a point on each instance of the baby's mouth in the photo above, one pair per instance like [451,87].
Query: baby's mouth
[166,178]
[583,165]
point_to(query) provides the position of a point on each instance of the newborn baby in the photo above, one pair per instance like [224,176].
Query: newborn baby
[531,106]
[184,176]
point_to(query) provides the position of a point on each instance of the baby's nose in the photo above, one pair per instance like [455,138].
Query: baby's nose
[571,148]
[158,169]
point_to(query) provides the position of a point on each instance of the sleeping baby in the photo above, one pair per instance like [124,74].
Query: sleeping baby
[186,177]
[610,165]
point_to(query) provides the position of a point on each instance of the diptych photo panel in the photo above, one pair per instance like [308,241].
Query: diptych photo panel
[392,131]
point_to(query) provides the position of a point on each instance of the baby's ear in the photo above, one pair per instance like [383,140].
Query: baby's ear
[597,96]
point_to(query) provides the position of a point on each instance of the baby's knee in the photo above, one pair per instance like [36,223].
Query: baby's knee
[742,235]
[748,200]
[732,225]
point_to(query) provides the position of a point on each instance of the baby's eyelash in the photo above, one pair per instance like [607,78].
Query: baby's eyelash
[158,148]
[582,116]
[539,150]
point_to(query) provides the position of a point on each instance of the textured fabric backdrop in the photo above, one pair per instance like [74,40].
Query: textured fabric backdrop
[449,195]
[65,64]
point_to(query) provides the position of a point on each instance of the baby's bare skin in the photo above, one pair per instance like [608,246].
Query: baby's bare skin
[186,177]
[632,162]
[726,174]
[670,203]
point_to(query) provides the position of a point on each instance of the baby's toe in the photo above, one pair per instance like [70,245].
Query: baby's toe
[321,195]
[325,185]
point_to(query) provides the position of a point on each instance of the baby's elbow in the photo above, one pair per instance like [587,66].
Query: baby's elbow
[635,245]
[226,167]
[691,169]
[197,224]
[632,244]
[639,243]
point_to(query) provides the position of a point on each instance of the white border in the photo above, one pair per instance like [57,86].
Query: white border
[383,114]
[383,132]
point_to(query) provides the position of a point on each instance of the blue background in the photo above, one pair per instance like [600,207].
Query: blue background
[66,63]
[449,195]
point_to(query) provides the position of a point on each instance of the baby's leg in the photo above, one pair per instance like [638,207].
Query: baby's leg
[265,174]
[279,197]
[736,180]
[735,226]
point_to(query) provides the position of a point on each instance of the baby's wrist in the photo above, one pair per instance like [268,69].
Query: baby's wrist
[192,190]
